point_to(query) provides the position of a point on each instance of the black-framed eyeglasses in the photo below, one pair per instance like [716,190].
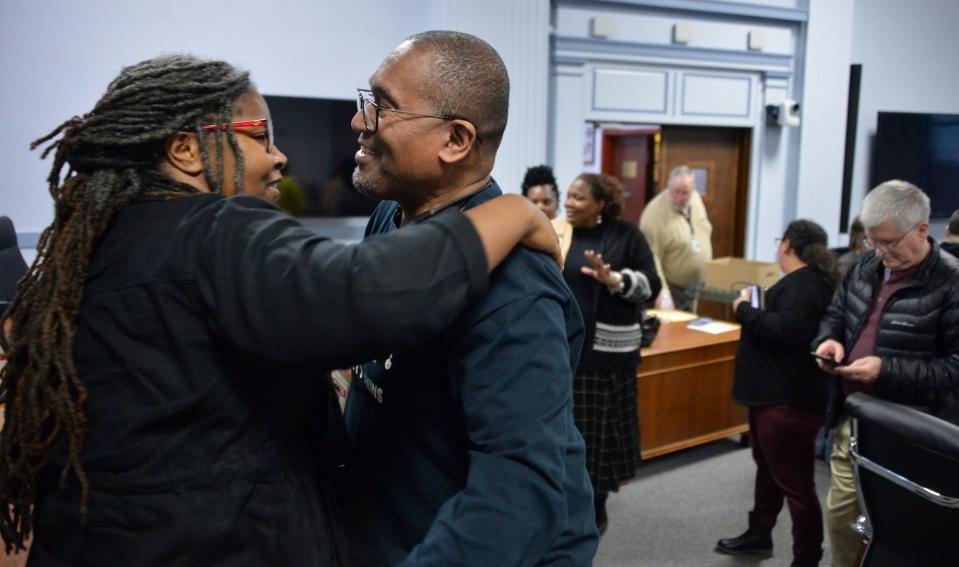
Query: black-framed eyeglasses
[265,137]
[887,244]
[370,110]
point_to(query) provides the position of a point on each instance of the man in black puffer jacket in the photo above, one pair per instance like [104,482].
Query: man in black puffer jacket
[893,327]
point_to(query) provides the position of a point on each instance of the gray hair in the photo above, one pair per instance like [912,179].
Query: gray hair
[898,200]
[681,171]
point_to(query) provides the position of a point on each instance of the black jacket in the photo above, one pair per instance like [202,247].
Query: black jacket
[773,366]
[950,246]
[918,338]
[205,328]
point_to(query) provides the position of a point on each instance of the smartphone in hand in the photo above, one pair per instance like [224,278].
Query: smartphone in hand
[757,296]
[825,359]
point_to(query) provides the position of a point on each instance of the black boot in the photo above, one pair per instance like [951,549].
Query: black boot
[800,561]
[599,502]
[756,541]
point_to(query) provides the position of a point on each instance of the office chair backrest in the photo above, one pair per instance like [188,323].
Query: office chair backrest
[907,471]
[12,265]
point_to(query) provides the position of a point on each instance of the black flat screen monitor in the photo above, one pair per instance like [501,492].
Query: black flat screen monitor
[316,137]
[922,149]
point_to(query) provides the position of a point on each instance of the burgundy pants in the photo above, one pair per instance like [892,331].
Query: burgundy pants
[783,442]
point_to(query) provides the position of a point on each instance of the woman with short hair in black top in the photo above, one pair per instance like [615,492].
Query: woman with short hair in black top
[539,186]
[786,393]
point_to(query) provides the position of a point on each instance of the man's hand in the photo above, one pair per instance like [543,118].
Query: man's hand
[665,300]
[831,349]
[743,296]
[865,369]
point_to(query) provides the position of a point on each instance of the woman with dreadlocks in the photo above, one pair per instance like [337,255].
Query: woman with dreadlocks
[167,403]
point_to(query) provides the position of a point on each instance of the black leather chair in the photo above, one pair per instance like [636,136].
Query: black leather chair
[12,266]
[907,475]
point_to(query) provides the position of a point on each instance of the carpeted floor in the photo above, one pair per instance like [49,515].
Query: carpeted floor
[679,505]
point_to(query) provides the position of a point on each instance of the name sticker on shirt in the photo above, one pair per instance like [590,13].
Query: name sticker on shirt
[695,244]
[375,391]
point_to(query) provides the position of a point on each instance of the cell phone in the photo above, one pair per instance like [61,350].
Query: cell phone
[757,296]
[826,360]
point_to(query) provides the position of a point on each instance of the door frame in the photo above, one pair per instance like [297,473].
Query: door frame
[744,183]
[652,169]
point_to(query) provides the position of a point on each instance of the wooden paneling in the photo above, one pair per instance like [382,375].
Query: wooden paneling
[683,390]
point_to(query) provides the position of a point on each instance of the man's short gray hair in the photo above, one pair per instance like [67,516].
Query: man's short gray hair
[898,200]
[681,171]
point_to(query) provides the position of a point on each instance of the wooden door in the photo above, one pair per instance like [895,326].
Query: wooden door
[719,158]
[627,156]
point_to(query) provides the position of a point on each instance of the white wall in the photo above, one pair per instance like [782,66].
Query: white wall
[519,30]
[908,52]
[824,109]
[57,57]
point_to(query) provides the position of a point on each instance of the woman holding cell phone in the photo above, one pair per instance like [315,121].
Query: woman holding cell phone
[786,393]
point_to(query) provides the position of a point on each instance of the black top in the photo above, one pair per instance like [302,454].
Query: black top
[205,328]
[950,246]
[773,365]
[583,286]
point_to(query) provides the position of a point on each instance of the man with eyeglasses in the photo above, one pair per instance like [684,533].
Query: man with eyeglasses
[893,330]
[467,442]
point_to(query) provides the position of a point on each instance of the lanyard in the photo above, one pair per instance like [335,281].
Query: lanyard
[462,201]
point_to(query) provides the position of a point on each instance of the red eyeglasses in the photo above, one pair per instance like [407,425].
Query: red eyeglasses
[265,137]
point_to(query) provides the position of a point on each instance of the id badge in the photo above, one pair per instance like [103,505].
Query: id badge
[695,244]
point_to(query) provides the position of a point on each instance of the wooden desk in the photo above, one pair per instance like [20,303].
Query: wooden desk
[683,387]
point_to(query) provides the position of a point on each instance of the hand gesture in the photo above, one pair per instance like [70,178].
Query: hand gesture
[601,271]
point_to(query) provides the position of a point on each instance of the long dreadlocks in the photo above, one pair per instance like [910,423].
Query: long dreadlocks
[111,155]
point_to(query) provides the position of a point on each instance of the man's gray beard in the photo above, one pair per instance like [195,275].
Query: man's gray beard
[364,186]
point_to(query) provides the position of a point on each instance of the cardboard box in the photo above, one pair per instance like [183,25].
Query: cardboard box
[733,274]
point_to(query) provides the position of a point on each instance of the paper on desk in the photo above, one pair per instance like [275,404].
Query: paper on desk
[671,315]
[712,327]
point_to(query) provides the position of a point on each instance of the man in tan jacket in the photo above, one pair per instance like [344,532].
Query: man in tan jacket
[680,235]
